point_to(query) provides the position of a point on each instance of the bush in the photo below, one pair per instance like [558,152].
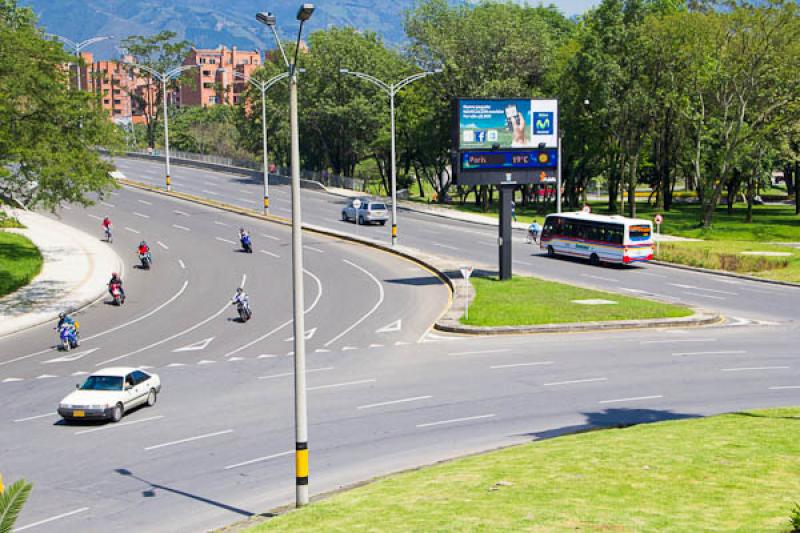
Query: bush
[794,518]
[731,262]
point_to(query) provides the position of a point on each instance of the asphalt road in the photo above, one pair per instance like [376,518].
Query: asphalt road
[218,445]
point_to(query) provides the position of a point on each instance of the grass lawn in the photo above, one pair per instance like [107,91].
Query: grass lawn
[20,261]
[727,255]
[524,301]
[735,472]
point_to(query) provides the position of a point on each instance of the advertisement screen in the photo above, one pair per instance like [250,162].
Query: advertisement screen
[497,124]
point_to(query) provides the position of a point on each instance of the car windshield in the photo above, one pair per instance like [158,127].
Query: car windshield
[377,207]
[103,383]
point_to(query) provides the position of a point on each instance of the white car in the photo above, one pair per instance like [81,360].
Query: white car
[109,393]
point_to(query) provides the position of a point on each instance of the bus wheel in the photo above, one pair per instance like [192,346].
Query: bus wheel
[551,252]
[594,260]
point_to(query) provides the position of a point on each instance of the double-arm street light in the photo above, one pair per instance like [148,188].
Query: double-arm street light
[263,86]
[300,408]
[78,46]
[164,78]
[392,89]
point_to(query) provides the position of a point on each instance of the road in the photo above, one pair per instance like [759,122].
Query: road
[384,393]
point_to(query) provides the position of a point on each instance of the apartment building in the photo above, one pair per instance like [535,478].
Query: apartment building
[215,81]
[123,94]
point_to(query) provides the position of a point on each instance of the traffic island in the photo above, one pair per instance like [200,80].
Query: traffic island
[728,472]
[20,262]
[486,306]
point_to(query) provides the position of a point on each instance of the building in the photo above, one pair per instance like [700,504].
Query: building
[215,80]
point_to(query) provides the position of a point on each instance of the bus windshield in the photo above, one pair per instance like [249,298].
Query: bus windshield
[639,233]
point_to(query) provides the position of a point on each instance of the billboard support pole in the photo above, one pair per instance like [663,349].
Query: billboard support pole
[506,197]
[558,174]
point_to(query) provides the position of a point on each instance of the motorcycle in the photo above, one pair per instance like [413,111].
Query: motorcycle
[69,337]
[146,259]
[109,236]
[244,311]
[247,244]
[116,294]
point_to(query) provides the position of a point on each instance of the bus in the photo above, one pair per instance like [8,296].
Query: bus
[599,238]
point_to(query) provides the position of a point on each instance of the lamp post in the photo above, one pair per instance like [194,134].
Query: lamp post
[78,46]
[164,77]
[300,407]
[392,89]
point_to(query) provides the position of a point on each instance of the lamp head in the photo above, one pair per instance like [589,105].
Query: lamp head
[305,12]
[265,17]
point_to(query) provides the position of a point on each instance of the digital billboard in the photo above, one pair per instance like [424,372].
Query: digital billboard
[502,124]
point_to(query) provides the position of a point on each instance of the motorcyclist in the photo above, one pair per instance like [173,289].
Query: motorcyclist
[533,232]
[241,297]
[244,238]
[116,280]
[144,249]
[65,318]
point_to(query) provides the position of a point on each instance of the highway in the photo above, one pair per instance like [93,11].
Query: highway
[384,393]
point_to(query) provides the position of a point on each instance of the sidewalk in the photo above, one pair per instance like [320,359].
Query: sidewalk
[74,274]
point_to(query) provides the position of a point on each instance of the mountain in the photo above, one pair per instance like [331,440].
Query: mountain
[209,23]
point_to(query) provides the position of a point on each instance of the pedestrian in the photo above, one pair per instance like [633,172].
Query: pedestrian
[513,210]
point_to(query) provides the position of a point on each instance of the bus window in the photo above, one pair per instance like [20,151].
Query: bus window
[639,233]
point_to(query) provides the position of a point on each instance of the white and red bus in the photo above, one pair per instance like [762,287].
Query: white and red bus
[598,238]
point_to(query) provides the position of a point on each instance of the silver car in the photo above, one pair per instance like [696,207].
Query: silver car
[368,212]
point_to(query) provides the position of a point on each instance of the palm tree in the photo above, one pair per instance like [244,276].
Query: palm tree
[11,502]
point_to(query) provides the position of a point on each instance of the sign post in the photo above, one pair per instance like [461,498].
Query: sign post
[356,206]
[658,219]
[466,272]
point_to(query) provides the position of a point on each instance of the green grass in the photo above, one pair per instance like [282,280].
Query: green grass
[722,255]
[9,222]
[735,472]
[524,301]
[20,261]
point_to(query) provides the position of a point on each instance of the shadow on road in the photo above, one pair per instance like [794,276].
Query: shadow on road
[615,418]
[151,493]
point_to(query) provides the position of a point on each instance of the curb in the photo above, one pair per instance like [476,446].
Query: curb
[725,273]
[701,317]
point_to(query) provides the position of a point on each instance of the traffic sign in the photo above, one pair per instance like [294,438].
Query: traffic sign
[659,219]
[586,209]
[466,271]
[356,203]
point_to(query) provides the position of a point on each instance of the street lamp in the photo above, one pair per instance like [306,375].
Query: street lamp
[78,46]
[300,407]
[164,77]
[263,86]
[392,89]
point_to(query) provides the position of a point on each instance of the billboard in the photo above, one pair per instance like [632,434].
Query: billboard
[503,124]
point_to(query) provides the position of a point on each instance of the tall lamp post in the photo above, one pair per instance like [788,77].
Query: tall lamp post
[392,89]
[78,46]
[300,407]
[263,86]
[164,78]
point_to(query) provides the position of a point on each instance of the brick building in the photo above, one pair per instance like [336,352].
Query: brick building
[116,85]
[214,81]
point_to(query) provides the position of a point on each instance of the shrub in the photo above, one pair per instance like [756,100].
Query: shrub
[794,518]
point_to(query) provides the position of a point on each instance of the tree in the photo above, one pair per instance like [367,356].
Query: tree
[12,499]
[48,132]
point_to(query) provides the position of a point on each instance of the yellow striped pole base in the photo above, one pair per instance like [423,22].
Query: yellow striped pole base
[266,204]
[301,463]
[169,183]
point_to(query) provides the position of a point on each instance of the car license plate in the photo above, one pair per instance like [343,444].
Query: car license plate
[78,414]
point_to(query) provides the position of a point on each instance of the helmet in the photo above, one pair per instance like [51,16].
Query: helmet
[114,275]
[142,243]
[62,314]
[241,230]
[239,290]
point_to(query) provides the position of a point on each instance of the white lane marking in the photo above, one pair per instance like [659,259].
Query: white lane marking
[35,417]
[785,387]
[269,237]
[210,184]
[721,352]
[218,223]
[745,369]
[95,216]
[140,215]
[210,192]
[314,249]
[393,402]
[670,341]
[11,380]
[79,373]
[287,374]
[206,362]
[46,376]
[651,274]
[455,420]
[145,202]
[270,254]
[132,230]
[181,213]
[635,291]
[52,519]
[601,278]
[70,358]
[225,240]
[632,399]
[308,334]
[190,439]
[161,244]
[119,425]
[515,365]
[108,204]
[260,459]
[174,365]
[184,228]
[692,287]
[588,380]
[367,315]
[199,345]
[281,326]
[445,246]
[182,264]
[345,384]
[397,325]
[704,295]
[481,352]
[175,336]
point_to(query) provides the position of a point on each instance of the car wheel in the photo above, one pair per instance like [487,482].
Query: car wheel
[594,260]
[551,252]
[383,222]
[344,216]
[151,398]
[116,414]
